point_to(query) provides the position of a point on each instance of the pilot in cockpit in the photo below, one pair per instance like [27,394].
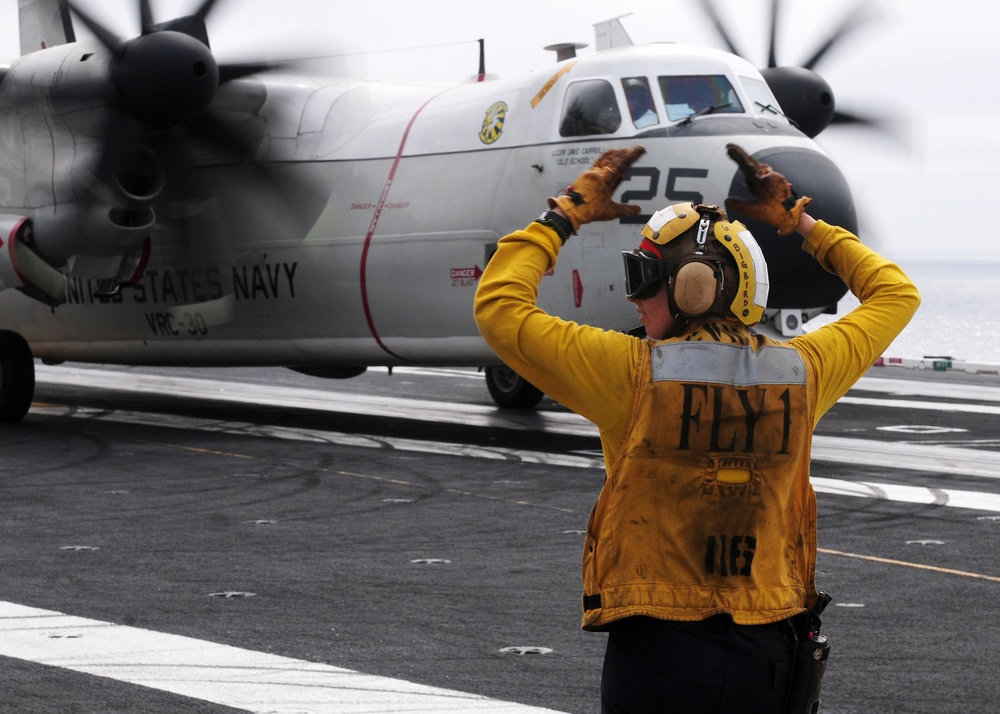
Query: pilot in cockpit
[640,102]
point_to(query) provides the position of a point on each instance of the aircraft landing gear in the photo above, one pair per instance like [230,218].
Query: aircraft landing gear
[17,377]
[510,390]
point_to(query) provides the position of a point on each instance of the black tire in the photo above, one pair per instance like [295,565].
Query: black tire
[510,390]
[17,377]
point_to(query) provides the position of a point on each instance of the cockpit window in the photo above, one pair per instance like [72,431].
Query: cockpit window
[762,102]
[590,108]
[698,94]
[640,102]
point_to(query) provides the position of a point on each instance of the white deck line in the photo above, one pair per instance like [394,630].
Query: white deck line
[230,676]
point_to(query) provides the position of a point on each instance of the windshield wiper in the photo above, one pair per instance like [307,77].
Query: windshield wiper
[702,112]
[774,110]
[769,108]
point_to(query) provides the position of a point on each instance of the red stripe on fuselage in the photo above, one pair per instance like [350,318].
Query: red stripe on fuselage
[374,224]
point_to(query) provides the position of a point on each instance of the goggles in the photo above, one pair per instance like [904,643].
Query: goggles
[643,274]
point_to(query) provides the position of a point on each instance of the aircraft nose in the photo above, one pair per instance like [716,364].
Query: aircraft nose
[797,280]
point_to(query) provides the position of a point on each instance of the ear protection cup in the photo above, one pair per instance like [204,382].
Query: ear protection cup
[695,287]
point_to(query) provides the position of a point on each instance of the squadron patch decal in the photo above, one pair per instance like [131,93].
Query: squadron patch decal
[493,123]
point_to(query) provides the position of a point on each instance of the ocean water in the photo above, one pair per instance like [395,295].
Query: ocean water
[959,314]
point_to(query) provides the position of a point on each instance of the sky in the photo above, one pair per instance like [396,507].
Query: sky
[930,67]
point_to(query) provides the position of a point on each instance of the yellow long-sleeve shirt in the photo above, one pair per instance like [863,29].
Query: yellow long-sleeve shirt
[591,370]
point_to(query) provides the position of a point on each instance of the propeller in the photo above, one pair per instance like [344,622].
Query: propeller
[167,75]
[160,112]
[805,97]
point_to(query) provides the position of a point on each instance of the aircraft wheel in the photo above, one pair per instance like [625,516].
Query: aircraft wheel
[17,377]
[510,390]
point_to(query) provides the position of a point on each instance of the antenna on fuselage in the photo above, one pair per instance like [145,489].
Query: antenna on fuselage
[565,50]
[481,75]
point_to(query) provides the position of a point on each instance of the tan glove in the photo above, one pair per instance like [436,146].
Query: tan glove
[589,197]
[773,201]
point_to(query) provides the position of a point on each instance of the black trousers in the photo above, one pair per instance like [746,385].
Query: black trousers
[709,667]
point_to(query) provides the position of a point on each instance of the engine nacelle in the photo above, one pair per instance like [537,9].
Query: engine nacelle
[120,212]
[109,218]
[21,267]
[99,204]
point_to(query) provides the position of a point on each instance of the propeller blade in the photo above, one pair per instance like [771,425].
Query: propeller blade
[238,70]
[899,130]
[146,17]
[188,25]
[172,155]
[213,128]
[122,136]
[206,7]
[106,37]
[843,117]
[772,54]
[709,9]
[854,19]
[195,219]
[276,187]
[186,197]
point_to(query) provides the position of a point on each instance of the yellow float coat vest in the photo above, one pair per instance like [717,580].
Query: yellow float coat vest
[707,508]
[704,531]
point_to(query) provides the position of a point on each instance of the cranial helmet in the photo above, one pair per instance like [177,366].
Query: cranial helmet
[712,266]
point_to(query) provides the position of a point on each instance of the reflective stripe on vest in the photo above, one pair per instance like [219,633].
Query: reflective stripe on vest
[720,363]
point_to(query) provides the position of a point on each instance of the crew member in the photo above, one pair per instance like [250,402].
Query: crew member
[701,548]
